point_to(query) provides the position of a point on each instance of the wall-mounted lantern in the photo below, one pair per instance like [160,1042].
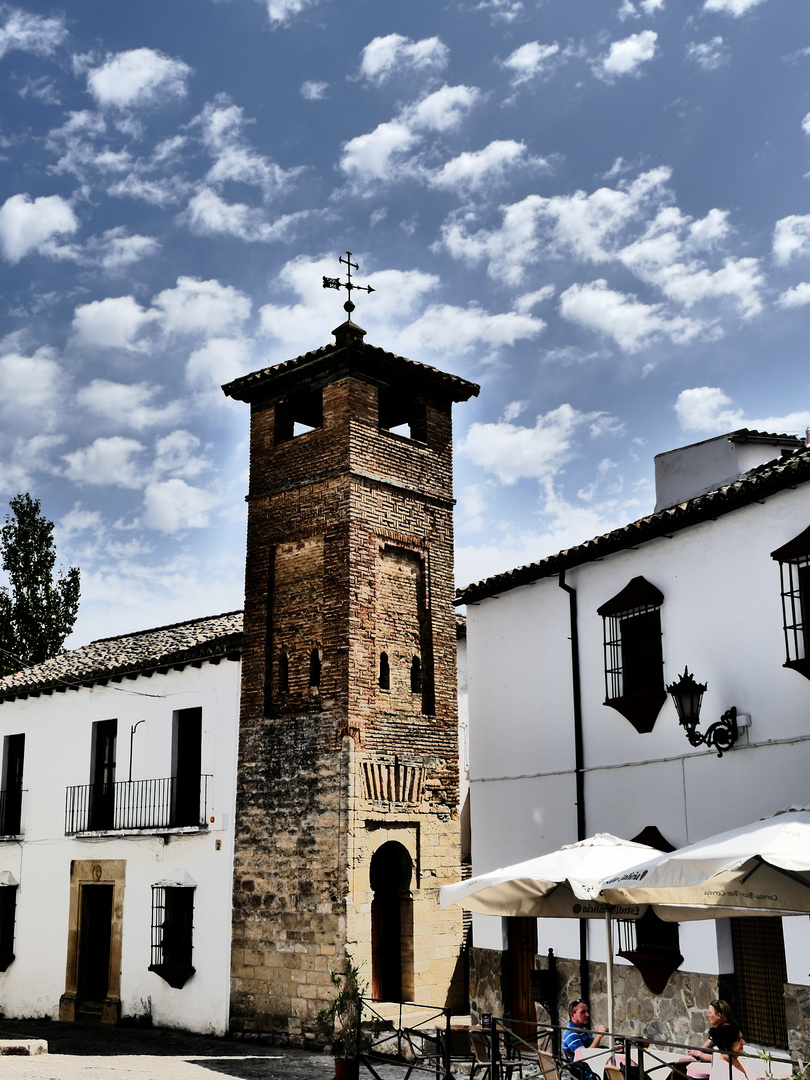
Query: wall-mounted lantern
[687,695]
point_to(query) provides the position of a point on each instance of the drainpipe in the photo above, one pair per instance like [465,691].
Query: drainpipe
[579,762]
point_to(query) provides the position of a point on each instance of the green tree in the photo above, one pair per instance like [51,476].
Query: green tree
[37,610]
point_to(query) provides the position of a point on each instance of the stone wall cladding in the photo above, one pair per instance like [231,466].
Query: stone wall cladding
[323,508]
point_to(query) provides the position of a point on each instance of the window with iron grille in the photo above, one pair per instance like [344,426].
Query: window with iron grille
[633,653]
[8,913]
[794,568]
[172,932]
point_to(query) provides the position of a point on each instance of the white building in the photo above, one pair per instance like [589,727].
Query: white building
[572,731]
[116,828]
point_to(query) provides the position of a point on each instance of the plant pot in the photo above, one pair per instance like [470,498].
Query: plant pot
[347,1068]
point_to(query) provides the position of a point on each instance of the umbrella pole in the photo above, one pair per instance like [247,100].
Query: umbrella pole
[609,937]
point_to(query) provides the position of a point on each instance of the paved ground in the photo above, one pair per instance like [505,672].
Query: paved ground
[99,1052]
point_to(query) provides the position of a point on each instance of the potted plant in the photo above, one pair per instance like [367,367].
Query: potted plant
[341,1022]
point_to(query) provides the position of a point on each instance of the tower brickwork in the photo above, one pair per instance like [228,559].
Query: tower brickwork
[347,796]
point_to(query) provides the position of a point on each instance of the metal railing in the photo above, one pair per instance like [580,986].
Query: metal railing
[167,803]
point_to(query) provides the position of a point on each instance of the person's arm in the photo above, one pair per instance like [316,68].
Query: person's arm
[597,1039]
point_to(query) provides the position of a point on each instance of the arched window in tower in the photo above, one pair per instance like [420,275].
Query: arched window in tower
[283,672]
[385,672]
[416,675]
[315,668]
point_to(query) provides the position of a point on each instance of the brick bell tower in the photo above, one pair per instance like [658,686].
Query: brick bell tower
[347,794]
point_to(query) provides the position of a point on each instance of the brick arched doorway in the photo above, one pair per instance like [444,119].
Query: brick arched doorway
[390,876]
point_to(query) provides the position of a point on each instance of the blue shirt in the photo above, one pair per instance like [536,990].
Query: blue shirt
[573,1038]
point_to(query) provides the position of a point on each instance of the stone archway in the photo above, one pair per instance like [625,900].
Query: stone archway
[390,874]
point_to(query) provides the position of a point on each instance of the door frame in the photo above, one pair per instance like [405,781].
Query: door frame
[94,872]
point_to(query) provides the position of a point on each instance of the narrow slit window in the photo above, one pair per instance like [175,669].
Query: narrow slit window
[385,672]
[416,675]
[283,672]
[315,668]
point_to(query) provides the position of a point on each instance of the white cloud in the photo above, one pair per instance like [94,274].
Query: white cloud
[137,78]
[444,109]
[28,225]
[208,214]
[30,33]
[280,12]
[223,125]
[219,361]
[527,301]
[626,57]
[455,330]
[731,7]
[709,409]
[632,324]
[530,60]
[173,505]
[374,156]
[791,237]
[77,521]
[472,170]
[394,53]
[806,124]
[127,405]
[798,296]
[114,322]
[313,90]
[42,89]
[202,307]
[708,55]
[116,251]
[28,383]
[512,452]
[176,453]
[106,461]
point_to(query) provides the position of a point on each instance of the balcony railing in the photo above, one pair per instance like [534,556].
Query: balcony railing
[11,811]
[170,803]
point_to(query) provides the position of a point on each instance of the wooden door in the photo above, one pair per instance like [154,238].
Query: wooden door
[522,946]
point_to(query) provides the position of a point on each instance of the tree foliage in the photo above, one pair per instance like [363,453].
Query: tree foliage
[37,610]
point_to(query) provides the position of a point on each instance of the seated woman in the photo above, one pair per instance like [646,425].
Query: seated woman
[730,1041]
[719,1014]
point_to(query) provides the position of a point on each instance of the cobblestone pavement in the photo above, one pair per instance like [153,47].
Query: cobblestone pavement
[96,1052]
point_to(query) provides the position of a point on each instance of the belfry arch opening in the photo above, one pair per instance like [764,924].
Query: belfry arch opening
[390,874]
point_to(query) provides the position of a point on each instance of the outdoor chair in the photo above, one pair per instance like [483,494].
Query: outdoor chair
[548,1066]
[613,1072]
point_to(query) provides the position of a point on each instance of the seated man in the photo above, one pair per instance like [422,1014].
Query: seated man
[577,1034]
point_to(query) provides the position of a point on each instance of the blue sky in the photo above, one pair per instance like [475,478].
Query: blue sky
[598,209]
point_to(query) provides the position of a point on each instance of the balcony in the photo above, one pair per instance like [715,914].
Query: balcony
[11,802]
[137,805]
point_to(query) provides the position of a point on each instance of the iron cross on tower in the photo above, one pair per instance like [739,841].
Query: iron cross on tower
[336,283]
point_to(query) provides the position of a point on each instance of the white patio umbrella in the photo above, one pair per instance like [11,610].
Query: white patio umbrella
[559,885]
[758,869]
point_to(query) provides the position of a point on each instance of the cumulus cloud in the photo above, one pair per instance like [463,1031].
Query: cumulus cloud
[223,125]
[115,250]
[791,238]
[29,33]
[731,7]
[176,453]
[473,170]
[708,55]
[633,325]
[798,296]
[530,61]
[115,322]
[218,361]
[512,452]
[29,383]
[280,12]
[127,405]
[173,505]
[30,225]
[313,90]
[626,57]
[709,409]
[385,153]
[208,214]
[455,330]
[111,461]
[201,307]
[137,78]
[384,56]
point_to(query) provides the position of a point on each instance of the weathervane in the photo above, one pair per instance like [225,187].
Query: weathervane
[336,283]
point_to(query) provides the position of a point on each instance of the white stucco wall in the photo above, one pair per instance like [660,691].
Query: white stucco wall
[58,733]
[721,617]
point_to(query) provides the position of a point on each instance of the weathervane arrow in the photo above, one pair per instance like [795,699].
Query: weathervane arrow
[348,285]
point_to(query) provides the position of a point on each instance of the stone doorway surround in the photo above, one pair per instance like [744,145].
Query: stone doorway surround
[94,872]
